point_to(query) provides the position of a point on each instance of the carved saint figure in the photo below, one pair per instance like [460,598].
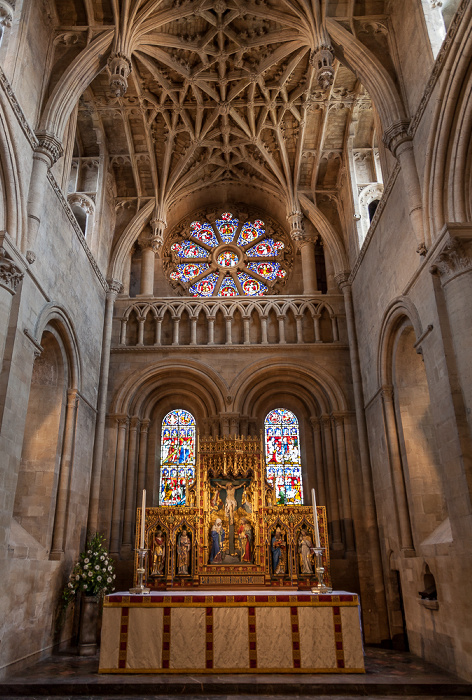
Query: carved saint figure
[214,498]
[217,539]
[279,550]
[184,546]
[245,541]
[246,500]
[158,553]
[305,550]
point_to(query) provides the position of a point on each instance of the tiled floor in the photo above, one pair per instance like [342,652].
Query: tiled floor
[388,674]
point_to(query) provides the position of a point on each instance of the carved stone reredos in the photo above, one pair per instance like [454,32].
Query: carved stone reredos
[210,214]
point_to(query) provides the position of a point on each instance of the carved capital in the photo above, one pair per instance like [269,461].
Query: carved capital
[83,201]
[134,423]
[10,274]
[342,280]
[145,426]
[119,68]
[395,135]
[122,421]
[297,228]
[452,261]
[114,287]
[338,419]
[49,146]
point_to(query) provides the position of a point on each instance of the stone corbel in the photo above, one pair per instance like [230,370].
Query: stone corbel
[119,68]
[10,274]
[6,17]
[49,147]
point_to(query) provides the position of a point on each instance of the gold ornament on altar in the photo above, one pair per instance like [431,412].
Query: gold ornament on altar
[230,532]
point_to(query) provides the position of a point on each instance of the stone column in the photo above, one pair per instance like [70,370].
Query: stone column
[10,277]
[211,330]
[65,473]
[453,266]
[281,320]
[114,288]
[193,330]
[147,271]
[175,330]
[344,479]
[306,245]
[142,459]
[130,498]
[118,491]
[400,497]
[264,340]
[229,339]
[48,151]
[320,479]
[400,143]
[369,514]
[333,502]
[247,337]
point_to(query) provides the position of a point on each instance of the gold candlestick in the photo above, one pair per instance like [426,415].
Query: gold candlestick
[141,589]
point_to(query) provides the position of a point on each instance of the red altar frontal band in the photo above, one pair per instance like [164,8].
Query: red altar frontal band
[297,633]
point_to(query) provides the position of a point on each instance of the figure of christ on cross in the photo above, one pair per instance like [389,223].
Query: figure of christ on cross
[230,503]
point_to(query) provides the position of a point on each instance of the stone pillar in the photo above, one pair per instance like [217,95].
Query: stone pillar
[400,497]
[122,422]
[147,272]
[264,340]
[453,266]
[344,481]
[142,458]
[298,321]
[65,472]
[175,330]
[333,502]
[247,337]
[114,289]
[48,151]
[225,421]
[376,583]
[281,320]
[193,330]
[316,326]
[229,339]
[157,338]
[211,330]
[306,245]
[130,499]
[123,333]
[319,469]
[399,142]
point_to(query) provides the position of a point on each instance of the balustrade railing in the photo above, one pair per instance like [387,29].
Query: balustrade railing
[269,320]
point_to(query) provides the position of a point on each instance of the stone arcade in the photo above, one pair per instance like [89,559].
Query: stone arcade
[228,208]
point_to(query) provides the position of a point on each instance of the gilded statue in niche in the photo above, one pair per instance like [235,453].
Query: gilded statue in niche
[184,549]
[158,553]
[279,552]
[306,551]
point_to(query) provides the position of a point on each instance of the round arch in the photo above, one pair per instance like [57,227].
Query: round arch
[393,318]
[53,314]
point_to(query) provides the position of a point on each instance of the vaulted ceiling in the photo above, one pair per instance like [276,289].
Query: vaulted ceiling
[222,90]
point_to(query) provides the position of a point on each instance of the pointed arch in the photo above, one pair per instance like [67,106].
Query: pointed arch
[327,232]
[83,69]
[370,72]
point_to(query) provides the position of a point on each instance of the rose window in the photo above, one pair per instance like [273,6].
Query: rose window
[228,259]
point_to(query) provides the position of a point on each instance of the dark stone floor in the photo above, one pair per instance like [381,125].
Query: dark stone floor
[389,674]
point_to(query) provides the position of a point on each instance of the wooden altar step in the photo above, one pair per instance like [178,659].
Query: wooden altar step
[389,674]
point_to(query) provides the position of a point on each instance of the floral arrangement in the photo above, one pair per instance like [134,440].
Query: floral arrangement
[93,574]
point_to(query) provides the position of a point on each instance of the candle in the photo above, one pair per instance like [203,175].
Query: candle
[315,519]
[143,518]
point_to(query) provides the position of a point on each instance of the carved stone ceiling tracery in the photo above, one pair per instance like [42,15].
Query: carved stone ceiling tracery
[220,90]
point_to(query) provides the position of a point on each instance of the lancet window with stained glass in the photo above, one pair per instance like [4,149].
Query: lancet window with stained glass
[282,449]
[177,457]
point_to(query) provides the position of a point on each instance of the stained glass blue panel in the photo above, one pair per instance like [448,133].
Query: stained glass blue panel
[177,457]
[228,288]
[188,249]
[205,287]
[187,272]
[249,232]
[282,447]
[269,270]
[227,227]
[251,287]
[265,249]
[203,233]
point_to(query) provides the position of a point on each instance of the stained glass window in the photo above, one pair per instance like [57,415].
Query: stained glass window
[177,457]
[228,258]
[282,447]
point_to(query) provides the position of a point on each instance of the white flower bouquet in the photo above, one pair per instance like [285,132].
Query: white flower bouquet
[94,573]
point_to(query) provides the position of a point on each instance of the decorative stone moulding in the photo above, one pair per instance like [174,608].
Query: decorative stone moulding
[49,146]
[83,201]
[322,62]
[452,261]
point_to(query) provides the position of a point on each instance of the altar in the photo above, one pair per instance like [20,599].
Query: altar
[232,572]
[228,632]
